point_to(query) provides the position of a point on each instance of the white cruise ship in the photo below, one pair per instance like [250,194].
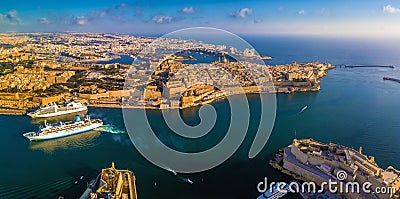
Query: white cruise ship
[63,129]
[54,110]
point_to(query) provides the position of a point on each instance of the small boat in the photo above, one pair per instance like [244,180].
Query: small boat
[189,181]
[277,191]
[288,92]
[172,171]
[265,57]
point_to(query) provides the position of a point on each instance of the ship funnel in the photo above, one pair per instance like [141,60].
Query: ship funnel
[77,118]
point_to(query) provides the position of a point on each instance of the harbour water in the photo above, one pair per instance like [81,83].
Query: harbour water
[354,107]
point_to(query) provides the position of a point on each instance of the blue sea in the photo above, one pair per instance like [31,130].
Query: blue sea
[355,107]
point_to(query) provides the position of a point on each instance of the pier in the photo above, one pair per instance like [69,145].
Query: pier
[367,66]
[391,79]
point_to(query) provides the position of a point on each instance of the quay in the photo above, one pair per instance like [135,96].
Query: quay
[12,111]
[368,66]
[391,79]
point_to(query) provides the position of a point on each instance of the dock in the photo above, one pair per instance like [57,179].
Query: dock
[368,66]
[391,79]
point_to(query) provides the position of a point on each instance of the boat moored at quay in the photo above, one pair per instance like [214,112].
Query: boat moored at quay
[53,110]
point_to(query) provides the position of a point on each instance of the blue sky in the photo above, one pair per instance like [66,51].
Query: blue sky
[373,17]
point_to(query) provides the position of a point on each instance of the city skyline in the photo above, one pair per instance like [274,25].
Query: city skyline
[245,17]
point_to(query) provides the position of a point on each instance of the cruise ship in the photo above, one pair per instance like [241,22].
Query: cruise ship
[63,129]
[277,191]
[54,110]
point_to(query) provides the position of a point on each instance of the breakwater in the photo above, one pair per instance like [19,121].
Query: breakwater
[368,66]
[391,79]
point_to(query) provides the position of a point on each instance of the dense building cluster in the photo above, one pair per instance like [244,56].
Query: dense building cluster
[87,67]
[177,85]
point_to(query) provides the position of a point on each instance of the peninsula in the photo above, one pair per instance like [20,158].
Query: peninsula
[178,85]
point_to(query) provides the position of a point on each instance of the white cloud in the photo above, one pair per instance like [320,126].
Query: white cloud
[10,18]
[43,20]
[188,10]
[112,13]
[242,13]
[82,20]
[391,9]
[301,12]
[162,19]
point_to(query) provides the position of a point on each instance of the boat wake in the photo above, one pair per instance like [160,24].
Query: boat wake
[40,190]
[172,171]
[111,129]
[298,113]
[303,109]
[187,180]
[75,142]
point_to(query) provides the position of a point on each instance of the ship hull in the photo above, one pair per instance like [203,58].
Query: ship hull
[58,113]
[63,133]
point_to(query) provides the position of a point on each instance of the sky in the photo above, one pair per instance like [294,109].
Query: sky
[339,17]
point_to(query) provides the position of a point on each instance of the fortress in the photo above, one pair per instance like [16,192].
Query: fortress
[112,183]
[310,160]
